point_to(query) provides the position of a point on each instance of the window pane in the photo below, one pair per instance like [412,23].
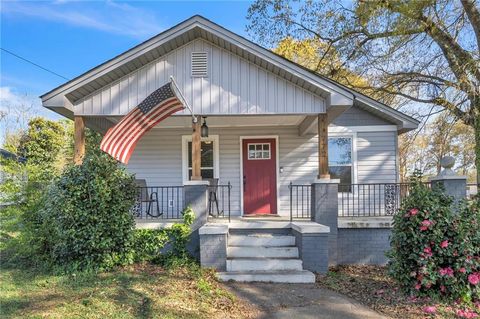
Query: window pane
[343,173]
[259,147]
[206,154]
[339,151]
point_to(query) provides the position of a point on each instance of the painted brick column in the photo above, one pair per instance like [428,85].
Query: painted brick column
[213,246]
[324,210]
[451,183]
[312,241]
[195,196]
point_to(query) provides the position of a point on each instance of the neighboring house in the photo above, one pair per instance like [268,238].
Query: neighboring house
[264,115]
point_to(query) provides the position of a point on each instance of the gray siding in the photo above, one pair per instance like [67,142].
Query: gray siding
[158,158]
[234,86]
[377,157]
[357,116]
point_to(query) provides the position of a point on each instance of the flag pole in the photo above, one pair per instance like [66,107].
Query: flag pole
[185,103]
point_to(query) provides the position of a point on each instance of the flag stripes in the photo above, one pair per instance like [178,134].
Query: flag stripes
[120,140]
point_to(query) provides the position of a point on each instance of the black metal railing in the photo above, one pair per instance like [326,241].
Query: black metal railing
[219,200]
[371,200]
[300,201]
[354,200]
[164,202]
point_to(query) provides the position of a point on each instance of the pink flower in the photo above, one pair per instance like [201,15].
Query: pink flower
[474,279]
[418,286]
[413,211]
[430,309]
[466,314]
[442,288]
[444,244]
[428,251]
[446,272]
[425,224]
[462,270]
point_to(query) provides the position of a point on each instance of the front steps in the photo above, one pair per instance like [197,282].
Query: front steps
[264,257]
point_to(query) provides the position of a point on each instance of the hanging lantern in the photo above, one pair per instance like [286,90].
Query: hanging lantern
[204,130]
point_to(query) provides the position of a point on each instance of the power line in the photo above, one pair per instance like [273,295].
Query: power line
[35,64]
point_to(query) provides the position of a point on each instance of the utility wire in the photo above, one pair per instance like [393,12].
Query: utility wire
[35,64]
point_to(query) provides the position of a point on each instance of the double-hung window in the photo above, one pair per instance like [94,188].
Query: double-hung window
[340,158]
[209,156]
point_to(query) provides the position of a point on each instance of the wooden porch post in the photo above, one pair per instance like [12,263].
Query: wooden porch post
[323,147]
[79,139]
[196,151]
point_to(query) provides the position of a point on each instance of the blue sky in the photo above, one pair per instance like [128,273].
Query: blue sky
[70,37]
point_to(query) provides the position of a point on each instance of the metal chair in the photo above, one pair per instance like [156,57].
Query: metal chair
[145,197]
[212,196]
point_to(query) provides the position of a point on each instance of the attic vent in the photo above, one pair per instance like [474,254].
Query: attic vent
[199,64]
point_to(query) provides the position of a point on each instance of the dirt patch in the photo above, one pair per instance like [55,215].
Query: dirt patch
[371,286]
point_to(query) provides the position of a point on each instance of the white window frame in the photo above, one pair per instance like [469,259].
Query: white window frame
[262,158]
[353,137]
[216,155]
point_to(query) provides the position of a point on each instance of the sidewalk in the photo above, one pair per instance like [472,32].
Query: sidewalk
[300,301]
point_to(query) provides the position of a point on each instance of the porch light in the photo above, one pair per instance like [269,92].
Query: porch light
[204,129]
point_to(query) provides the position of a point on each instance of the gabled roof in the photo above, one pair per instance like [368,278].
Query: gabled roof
[64,96]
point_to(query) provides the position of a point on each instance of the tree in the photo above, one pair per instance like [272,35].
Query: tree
[443,136]
[423,51]
[42,143]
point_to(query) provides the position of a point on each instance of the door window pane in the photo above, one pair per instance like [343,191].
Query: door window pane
[258,151]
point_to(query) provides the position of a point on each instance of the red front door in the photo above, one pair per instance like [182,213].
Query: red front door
[259,176]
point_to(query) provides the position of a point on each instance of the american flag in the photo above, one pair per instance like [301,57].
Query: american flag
[120,140]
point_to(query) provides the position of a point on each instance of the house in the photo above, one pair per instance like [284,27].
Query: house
[275,130]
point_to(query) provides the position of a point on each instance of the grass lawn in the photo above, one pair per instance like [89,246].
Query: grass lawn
[371,286]
[141,291]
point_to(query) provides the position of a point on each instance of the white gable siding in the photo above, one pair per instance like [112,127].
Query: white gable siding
[158,158]
[233,86]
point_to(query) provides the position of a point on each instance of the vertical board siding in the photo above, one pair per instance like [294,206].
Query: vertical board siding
[233,86]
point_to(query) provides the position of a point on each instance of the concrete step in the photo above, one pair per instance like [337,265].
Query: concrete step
[261,240]
[262,251]
[293,277]
[263,264]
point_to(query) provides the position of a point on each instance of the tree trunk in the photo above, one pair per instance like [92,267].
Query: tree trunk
[476,128]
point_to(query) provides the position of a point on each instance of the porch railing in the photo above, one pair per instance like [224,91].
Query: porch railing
[300,201]
[219,200]
[159,202]
[354,200]
[167,202]
[371,200]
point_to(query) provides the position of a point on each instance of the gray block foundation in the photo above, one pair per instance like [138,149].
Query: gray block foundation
[363,246]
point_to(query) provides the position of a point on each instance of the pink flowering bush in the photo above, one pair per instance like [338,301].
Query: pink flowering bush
[435,245]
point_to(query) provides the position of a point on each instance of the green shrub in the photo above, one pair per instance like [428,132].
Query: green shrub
[85,222]
[436,248]
[148,244]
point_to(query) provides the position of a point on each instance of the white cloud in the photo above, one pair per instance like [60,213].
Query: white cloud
[112,17]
